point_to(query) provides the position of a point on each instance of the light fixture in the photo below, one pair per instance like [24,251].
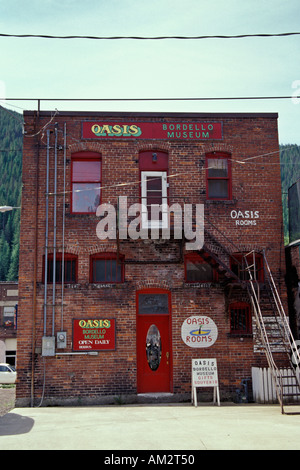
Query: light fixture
[8,208]
[154,157]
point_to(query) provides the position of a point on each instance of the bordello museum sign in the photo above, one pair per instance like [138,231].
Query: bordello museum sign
[152,130]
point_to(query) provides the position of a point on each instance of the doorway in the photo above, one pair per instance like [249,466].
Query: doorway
[154,355]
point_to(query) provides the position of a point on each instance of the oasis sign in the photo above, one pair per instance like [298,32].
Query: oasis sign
[97,334]
[201,130]
[199,332]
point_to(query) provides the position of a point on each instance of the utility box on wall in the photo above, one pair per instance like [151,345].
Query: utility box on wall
[48,346]
[61,340]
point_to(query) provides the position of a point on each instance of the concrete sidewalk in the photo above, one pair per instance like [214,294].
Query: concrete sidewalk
[151,427]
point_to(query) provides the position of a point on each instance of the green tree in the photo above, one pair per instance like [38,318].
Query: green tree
[13,270]
[290,173]
[4,257]
[11,140]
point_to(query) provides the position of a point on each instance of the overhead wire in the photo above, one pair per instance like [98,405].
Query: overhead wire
[44,127]
[238,36]
[159,38]
[209,98]
[4,101]
[57,112]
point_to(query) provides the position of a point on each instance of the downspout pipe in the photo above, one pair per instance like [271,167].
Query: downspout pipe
[54,230]
[34,309]
[63,232]
[46,236]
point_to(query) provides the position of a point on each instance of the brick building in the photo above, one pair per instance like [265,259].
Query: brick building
[135,308]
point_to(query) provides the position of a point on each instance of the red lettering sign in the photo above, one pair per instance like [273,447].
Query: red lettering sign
[96,334]
[152,130]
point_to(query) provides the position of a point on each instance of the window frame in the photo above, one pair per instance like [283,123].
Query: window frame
[107,257]
[86,156]
[243,307]
[228,178]
[196,257]
[59,256]
[153,291]
[258,260]
[9,316]
[164,223]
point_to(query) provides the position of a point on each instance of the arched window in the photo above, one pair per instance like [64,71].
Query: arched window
[218,176]
[68,269]
[86,182]
[154,193]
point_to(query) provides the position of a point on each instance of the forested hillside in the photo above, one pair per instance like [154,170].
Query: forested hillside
[290,173]
[10,192]
[11,186]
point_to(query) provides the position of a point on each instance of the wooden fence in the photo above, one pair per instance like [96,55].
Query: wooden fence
[264,389]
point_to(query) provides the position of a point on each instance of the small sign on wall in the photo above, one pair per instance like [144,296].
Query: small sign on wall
[199,332]
[205,374]
[245,218]
[96,334]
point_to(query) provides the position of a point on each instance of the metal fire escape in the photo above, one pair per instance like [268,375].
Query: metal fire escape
[274,331]
[272,324]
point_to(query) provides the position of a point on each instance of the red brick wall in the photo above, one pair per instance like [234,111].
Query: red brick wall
[256,186]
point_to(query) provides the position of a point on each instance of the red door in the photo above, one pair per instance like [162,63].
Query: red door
[153,342]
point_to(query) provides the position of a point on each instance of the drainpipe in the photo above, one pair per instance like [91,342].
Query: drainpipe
[63,234]
[35,274]
[54,230]
[46,235]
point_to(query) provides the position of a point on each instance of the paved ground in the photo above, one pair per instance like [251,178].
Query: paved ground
[150,427]
[7,399]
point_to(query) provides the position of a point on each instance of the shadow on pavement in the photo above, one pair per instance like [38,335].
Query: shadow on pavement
[13,424]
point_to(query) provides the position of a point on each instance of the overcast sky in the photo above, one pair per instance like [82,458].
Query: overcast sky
[78,68]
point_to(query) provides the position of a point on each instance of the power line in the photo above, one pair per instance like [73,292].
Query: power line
[228,98]
[238,36]
[8,104]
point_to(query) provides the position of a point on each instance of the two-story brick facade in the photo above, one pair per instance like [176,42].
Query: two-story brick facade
[136,307]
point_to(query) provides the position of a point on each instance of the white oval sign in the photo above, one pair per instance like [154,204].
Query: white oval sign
[199,332]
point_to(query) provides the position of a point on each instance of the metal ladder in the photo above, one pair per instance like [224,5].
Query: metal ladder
[284,335]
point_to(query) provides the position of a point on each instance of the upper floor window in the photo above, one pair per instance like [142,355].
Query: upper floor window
[106,268]
[66,270]
[240,318]
[242,269]
[9,316]
[198,270]
[218,176]
[154,189]
[154,199]
[86,182]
